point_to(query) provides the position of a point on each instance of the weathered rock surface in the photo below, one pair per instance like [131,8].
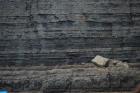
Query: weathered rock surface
[90,79]
[70,80]
[50,32]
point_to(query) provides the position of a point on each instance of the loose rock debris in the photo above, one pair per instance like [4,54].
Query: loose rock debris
[106,62]
[100,61]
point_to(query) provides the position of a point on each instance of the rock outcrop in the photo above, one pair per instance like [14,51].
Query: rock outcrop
[89,79]
[69,79]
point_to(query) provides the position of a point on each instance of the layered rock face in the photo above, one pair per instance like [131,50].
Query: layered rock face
[54,32]
[69,79]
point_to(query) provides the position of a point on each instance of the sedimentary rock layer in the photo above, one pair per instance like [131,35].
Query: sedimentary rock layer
[68,31]
[72,79]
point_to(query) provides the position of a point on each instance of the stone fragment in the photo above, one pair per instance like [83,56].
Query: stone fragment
[106,62]
[117,63]
[122,64]
[100,61]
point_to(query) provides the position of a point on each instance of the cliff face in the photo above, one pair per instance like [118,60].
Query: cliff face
[68,31]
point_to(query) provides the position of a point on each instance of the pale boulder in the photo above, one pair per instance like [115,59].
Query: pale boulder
[100,61]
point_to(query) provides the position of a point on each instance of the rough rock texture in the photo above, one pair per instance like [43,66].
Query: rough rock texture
[89,79]
[68,31]
[76,79]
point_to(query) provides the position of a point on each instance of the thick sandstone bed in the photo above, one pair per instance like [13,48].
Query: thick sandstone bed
[84,78]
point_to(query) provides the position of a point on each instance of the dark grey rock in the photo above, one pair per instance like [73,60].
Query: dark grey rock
[45,32]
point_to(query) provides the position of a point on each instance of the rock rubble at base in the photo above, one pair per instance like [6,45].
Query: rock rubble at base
[106,62]
[116,75]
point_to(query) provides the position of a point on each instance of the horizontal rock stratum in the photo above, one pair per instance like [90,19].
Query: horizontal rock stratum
[53,32]
[69,79]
